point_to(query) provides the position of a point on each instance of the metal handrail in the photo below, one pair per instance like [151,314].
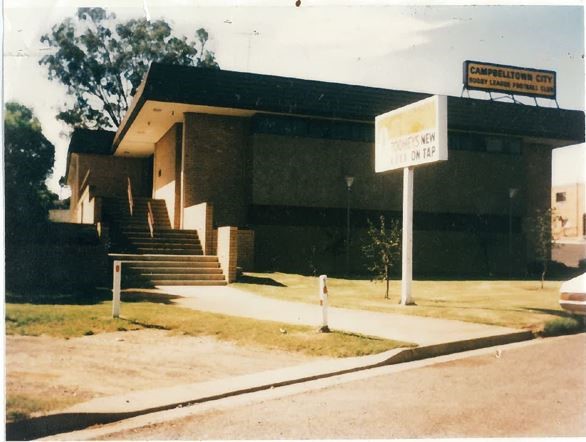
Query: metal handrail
[130,199]
[151,219]
[84,182]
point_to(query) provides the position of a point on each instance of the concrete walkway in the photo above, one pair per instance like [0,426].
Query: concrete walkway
[407,328]
[435,337]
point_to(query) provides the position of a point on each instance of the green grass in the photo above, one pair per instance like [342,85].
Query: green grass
[23,406]
[66,321]
[563,326]
[517,304]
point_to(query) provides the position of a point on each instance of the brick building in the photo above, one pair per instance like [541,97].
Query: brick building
[269,156]
[569,211]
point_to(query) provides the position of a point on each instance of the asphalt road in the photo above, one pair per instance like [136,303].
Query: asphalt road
[569,253]
[534,390]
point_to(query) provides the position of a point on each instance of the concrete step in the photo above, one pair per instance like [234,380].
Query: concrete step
[163,242]
[138,209]
[145,236]
[142,229]
[160,257]
[209,265]
[138,217]
[168,250]
[176,277]
[143,282]
[142,270]
[141,221]
[187,282]
[162,233]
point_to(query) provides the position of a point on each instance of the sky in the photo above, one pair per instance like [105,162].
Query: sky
[375,43]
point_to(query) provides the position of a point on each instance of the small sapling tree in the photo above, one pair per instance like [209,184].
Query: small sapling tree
[383,249]
[542,235]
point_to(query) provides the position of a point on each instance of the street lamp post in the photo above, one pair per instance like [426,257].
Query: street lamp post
[512,193]
[349,181]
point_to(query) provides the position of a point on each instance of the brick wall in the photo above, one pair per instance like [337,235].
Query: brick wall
[535,194]
[108,177]
[200,217]
[89,207]
[310,172]
[246,249]
[228,251]
[166,180]
[318,250]
[215,165]
[70,257]
[568,210]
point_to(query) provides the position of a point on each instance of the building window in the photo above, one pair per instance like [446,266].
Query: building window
[312,128]
[560,197]
[484,143]
[364,132]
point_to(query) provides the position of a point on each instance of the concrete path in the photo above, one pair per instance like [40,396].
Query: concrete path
[414,329]
[435,337]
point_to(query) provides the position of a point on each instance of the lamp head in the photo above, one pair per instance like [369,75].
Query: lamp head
[349,181]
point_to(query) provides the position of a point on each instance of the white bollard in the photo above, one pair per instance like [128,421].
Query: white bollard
[116,289]
[323,301]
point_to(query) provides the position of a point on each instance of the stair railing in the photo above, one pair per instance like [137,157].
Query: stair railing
[151,219]
[84,182]
[130,199]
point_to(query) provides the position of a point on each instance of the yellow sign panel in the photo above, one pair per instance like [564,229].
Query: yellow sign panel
[509,79]
[412,135]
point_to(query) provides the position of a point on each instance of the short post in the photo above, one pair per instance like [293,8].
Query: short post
[116,289]
[323,301]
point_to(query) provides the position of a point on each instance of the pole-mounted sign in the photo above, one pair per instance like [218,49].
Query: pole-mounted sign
[513,80]
[410,136]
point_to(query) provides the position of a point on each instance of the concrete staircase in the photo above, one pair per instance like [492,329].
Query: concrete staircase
[169,257]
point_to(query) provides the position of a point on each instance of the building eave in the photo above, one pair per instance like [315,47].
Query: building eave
[220,91]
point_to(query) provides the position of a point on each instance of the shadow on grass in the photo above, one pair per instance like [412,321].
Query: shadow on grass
[547,311]
[87,297]
[145,295]
[248,279]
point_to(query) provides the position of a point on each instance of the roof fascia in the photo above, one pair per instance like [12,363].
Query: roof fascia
[140,98]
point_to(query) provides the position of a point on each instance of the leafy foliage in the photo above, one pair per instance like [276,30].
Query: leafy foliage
[29,159]
[102,62]
[543,237]
[564,326]
[383,249]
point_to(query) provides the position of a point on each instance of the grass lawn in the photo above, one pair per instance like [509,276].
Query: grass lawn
[67,320]
[517,304]
[77,320]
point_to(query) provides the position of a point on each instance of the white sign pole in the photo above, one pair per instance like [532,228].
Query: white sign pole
[407,243]
[116,289]
[411,136]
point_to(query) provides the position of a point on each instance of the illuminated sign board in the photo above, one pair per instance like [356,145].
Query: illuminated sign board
[509,79]
[412,135]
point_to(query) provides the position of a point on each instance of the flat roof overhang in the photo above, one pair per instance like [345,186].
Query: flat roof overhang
[168,91]
[155,118]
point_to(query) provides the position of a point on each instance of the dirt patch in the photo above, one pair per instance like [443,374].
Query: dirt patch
[78,369]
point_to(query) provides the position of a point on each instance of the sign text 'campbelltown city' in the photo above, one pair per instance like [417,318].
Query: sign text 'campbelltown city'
[509,79]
